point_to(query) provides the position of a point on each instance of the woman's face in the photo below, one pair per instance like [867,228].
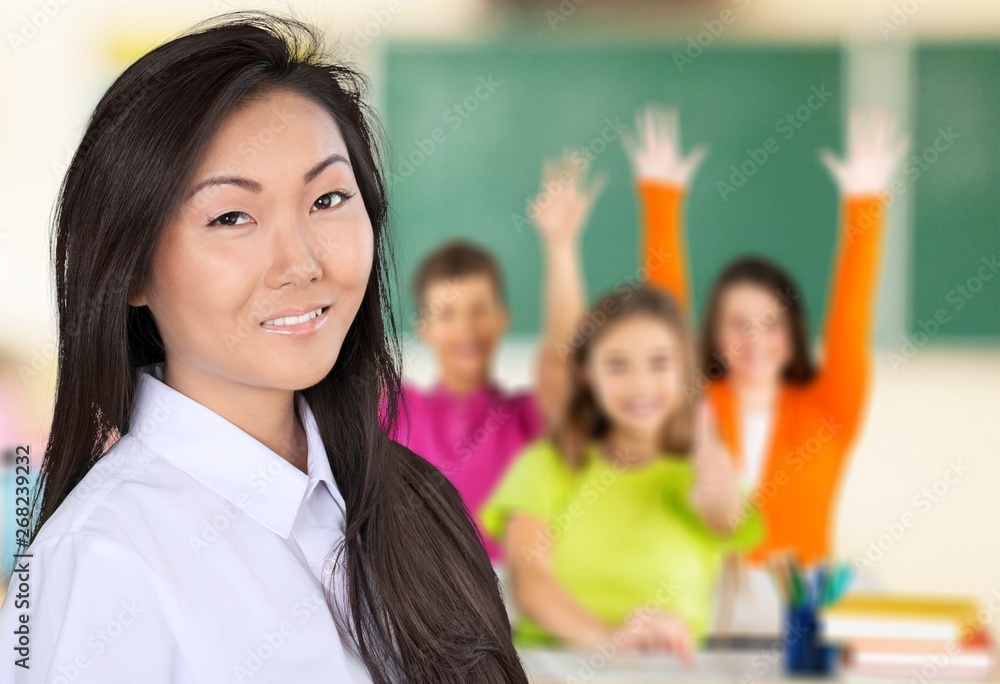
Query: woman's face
[753,338]
[635,370]
[263,267]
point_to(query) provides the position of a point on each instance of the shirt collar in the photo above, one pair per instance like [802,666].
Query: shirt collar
[223,457]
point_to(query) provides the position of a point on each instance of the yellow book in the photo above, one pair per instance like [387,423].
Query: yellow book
[872,615]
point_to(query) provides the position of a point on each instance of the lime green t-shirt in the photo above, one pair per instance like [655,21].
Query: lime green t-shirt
[621,536]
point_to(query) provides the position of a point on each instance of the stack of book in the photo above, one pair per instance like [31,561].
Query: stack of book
[919,638]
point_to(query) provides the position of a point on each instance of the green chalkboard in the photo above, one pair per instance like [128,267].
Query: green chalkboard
[468,127]
[956,180]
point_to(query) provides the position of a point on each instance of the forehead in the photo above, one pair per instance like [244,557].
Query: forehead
[467,288]
[636,335]
[747,297]
[277,133]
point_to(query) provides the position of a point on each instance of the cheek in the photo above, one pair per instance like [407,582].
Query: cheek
[730,339]
[779,341]
[348,260]
[672,381]
[608,388]
[193,285]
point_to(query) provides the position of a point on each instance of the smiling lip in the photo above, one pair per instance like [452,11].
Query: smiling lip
[301,329]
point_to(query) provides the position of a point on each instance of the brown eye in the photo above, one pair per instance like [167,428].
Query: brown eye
[230,218]
[331,199]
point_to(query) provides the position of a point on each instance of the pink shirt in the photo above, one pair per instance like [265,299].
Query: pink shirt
[471,439]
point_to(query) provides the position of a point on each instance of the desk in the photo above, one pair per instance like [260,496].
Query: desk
[546,666]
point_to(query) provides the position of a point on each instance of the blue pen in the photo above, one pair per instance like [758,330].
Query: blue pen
[821,581]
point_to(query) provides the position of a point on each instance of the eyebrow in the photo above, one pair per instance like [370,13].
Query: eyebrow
[617,354]
[254,186]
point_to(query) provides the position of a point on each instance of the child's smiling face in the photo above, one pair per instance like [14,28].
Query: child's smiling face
[262,268]
[463,320]
[635,370]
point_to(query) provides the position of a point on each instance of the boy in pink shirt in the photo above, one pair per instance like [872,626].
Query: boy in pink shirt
[465,424]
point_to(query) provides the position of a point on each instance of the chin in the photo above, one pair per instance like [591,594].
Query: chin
[302,372]
[470,367]
[643,428]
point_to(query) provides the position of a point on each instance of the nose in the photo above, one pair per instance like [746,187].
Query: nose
[641,381]
[295,257]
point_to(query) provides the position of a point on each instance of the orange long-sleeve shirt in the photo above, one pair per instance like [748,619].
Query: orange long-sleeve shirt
[814,426]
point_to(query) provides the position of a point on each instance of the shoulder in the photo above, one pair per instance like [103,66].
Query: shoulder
[521,403]
[539,472]
[542,456]
[111,491]
[85,601]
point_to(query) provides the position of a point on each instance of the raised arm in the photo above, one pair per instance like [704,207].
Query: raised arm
[662,176]
[560,211]
[874,151]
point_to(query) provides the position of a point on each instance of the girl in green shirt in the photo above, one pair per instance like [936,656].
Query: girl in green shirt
[615,528]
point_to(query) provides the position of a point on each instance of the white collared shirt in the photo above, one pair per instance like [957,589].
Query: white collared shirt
[189,553]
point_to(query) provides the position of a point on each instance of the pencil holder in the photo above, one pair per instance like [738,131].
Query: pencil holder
[805,653]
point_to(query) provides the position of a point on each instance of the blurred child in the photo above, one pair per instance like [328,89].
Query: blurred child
[788,425]
[616,527]
[466,424]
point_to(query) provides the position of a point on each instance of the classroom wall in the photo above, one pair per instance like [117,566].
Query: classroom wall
[79,45]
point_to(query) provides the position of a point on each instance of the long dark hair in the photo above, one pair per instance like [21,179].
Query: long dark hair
[758,271]
[424,600]
[584,420]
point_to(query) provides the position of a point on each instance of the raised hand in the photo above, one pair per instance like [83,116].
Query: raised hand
[716,492]
[563,204]
[874,150]
[655,148]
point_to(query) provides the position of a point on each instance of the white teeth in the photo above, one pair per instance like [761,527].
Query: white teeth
[294,320]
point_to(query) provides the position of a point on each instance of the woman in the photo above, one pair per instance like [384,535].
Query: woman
[219,501]
[789,425]
[615,529]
